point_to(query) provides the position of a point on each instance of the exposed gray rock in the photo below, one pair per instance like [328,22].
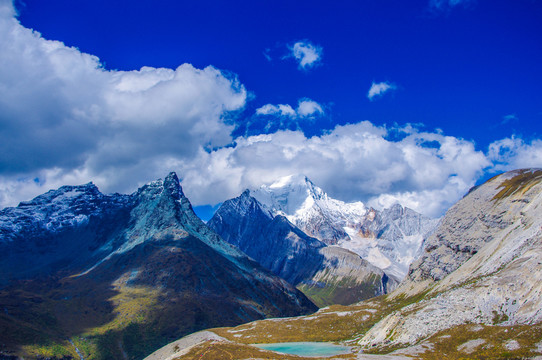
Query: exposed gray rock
[471,345]
[181,346]
[482,265]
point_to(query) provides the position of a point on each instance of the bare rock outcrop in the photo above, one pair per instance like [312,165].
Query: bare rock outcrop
[482,265]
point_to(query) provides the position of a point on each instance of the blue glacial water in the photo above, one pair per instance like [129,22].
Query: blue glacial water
[306,348]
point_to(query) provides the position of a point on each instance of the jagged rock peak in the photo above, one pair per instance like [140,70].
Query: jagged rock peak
[170,186]
[245,194]
[244,204]
[173,186]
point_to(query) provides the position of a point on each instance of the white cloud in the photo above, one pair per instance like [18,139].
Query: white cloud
[305,108]
[515,153]
[308,108]
[281,110]
[65,118]
[307,54]
[352,162]
[379,89]
[267,54]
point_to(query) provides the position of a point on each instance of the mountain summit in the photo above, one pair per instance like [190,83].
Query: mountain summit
[309,207]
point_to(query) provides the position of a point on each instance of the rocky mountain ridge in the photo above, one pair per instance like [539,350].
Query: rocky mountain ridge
[118,276]
[482,265]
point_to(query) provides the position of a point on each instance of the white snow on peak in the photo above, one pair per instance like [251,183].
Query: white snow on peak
[298,199]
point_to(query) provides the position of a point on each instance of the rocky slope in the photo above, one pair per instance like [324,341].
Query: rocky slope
[120,276]
[483,265]
[326,274]
[62,228]
[390,239]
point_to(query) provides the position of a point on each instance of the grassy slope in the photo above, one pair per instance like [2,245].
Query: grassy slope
[343,291]
[347,324]
[112,315]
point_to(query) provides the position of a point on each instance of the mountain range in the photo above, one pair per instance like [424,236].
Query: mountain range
[94,276]
[475,292]
[327,274]
[389,239]
[335,252]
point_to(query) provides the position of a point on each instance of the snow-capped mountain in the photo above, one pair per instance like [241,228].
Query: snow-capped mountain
[389,239]
[107,271]
[328,275]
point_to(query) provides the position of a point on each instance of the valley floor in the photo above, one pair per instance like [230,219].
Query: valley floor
[346,325]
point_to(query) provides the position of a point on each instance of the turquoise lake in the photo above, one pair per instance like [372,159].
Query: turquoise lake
[306,348]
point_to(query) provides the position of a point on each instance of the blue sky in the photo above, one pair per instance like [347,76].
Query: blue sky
[456,96]
[460,68]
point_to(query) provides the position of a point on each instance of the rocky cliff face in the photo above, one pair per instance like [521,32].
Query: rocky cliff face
[482,265]
[326,274]
[121,275]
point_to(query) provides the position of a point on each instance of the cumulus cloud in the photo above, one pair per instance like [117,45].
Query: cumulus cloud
[379,89]
[64,117]
[308,108]
[305,108]
[307,54]
[352,162]
[280,110]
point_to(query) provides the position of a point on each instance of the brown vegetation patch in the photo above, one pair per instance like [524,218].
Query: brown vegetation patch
[519,184]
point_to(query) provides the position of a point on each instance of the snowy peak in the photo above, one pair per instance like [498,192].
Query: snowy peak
[58,210]
[245,205]
[289,196]
[309,207]
[67,193]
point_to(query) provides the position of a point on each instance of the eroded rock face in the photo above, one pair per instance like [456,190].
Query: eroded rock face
[482,265]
